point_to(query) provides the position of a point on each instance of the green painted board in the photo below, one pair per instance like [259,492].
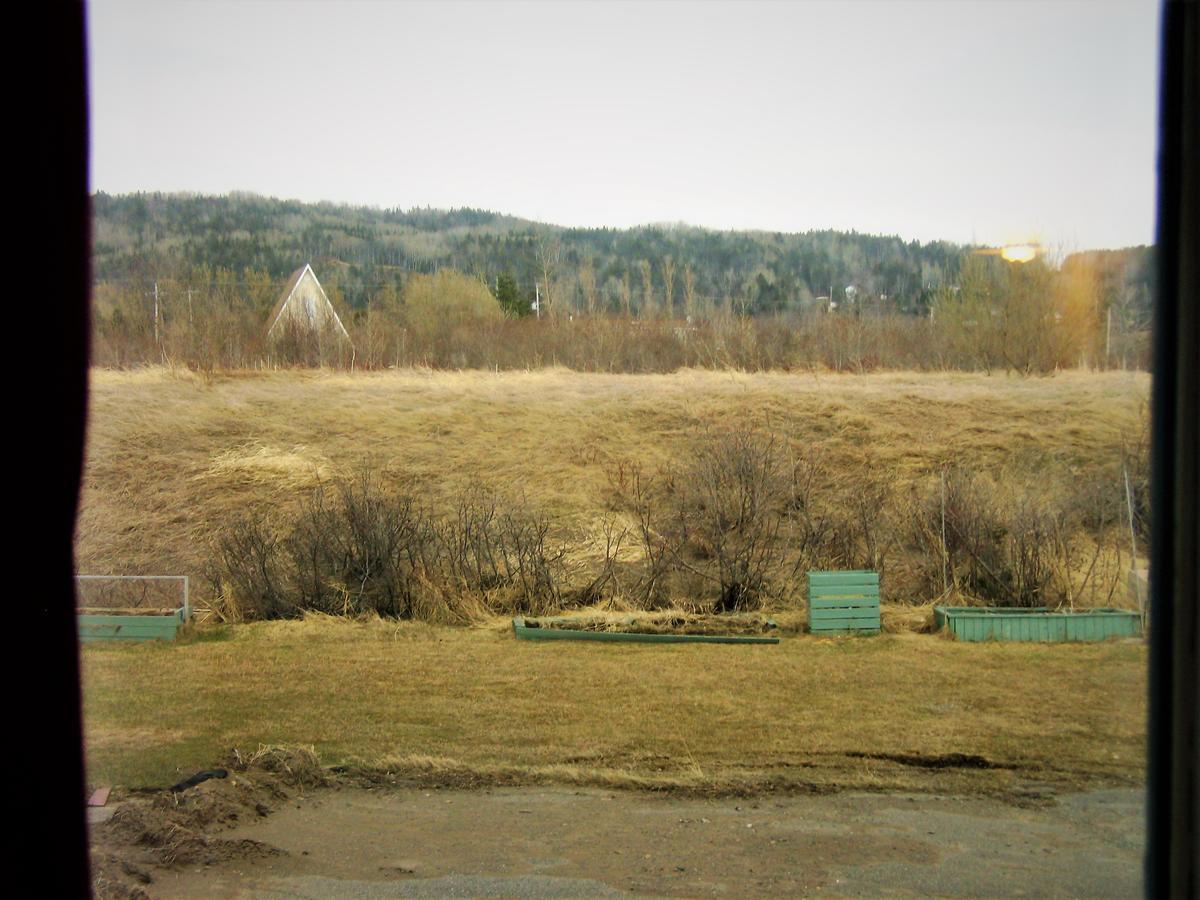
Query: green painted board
[844,597]
[843,632]
[835,579]
[129,628]
[849,622]
[997,624]
[525,632]
[865,616]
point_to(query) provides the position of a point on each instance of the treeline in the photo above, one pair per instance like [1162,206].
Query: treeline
[1001,316]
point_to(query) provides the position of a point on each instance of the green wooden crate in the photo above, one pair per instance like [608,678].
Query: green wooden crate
[845,602]
[1040,624]
[130,628]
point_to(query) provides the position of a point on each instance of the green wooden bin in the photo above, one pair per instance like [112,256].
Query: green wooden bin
[131,628]
[991,623]
[844,602]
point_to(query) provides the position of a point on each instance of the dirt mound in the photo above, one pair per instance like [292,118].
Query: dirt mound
[170,828]
[118,879]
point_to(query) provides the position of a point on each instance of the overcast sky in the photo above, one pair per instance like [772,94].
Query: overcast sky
[992,122]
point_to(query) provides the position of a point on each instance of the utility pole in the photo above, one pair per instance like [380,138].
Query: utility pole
[1137,583]
[1108,340]
[156,312]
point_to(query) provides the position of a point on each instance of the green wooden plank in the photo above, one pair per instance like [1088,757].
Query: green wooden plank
[871,588]
[846,631]
[128,628]
[113,631]
[130,639]
[842,594]
[836,616]
[524,632]
[844,584]
[820,615]
[836,612]
[840,624]
[164,628]
[128,621]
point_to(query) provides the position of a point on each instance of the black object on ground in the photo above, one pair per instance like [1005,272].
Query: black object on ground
[198,778]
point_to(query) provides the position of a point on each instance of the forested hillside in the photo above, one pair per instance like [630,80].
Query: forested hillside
[142,236]
[192,279]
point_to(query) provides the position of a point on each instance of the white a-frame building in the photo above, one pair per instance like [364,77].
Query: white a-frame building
[304,306]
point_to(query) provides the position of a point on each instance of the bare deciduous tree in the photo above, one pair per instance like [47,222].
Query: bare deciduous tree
[689,293]
[647,288]
[587,284]
[668,275]
[549,259]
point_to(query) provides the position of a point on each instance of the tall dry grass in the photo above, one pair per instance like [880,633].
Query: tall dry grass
[173,456]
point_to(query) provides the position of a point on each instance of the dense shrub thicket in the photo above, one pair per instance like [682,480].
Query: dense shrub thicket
[735,527]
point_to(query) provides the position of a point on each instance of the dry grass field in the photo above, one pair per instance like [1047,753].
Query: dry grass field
[171,454]
[438,704]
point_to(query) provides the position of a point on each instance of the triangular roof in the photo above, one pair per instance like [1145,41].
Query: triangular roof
[293,282]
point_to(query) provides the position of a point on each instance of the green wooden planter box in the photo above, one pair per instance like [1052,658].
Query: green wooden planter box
[131,628]
[843,602]
[995,624]
[526,633]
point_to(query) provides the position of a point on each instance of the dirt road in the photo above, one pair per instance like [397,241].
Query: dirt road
[355,842]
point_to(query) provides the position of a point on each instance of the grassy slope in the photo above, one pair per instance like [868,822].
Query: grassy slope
[699,716]
[170,455]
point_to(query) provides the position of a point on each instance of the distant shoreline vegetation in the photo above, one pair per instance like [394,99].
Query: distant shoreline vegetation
[190,280]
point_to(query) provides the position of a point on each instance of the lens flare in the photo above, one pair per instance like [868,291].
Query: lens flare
[1020,253]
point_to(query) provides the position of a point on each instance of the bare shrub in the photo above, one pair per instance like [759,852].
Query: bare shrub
[605,584]
[248,565]
[1014,544]
[709,529]
[357,551]
[659,544]
[504,556]
[811,526]
[732,495]
[1025,571]
[1085,546]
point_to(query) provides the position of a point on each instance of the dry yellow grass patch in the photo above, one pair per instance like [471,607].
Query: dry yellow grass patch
[298,467]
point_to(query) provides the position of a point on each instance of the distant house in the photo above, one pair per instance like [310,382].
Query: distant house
[304,306]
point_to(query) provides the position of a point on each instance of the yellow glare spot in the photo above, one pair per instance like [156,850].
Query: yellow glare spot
[1021,253]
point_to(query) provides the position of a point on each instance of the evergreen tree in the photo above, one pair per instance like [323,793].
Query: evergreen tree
[510,298]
